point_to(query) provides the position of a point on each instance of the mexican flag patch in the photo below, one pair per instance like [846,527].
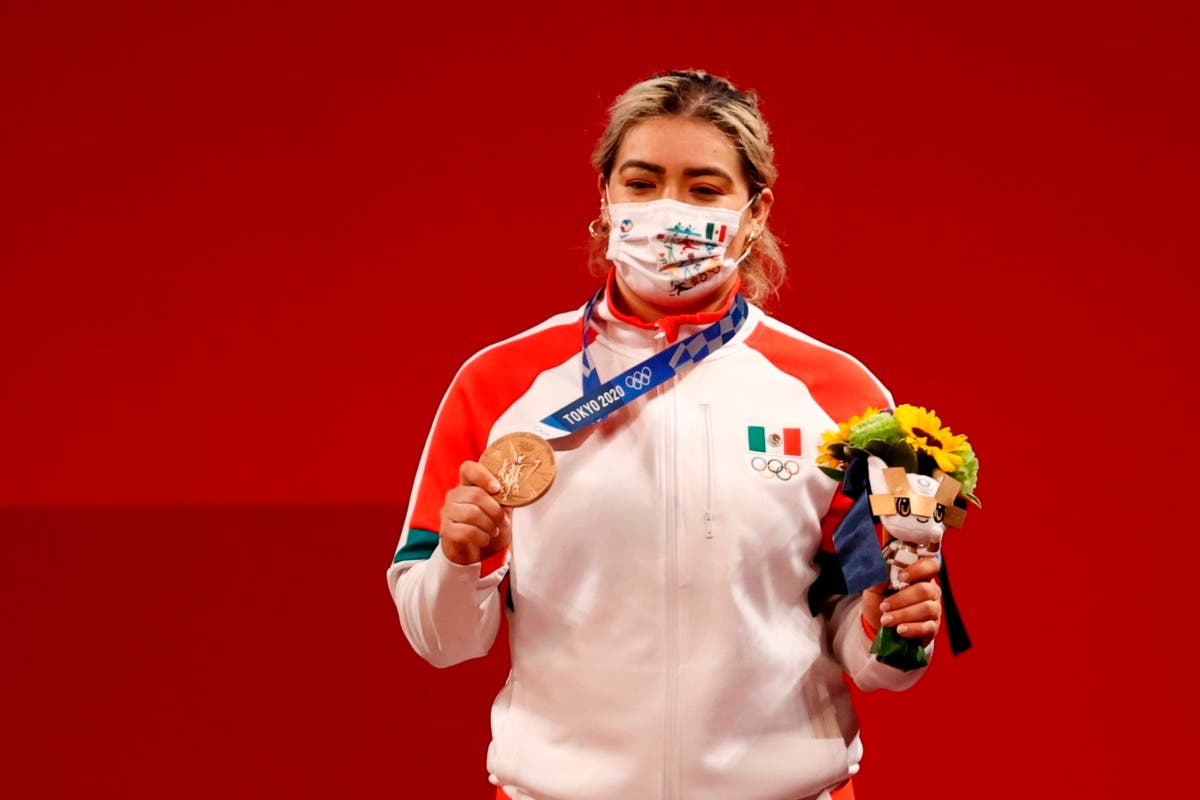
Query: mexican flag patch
[777,441]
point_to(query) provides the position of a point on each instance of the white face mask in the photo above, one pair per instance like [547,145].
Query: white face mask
[670,253]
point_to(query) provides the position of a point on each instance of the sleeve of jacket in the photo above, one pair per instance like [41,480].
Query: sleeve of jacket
[853,391]
[852,648]
[449,612]
[848,638]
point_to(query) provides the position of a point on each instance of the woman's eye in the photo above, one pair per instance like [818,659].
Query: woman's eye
[705,191]
[639,185]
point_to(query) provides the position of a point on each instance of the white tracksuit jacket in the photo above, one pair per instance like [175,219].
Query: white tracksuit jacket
[662,645]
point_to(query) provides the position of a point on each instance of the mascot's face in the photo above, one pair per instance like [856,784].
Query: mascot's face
[912,507]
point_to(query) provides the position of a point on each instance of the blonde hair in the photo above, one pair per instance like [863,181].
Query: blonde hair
[697,94]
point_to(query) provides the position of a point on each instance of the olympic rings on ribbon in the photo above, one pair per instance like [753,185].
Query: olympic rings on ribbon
[775,468]
[639,379]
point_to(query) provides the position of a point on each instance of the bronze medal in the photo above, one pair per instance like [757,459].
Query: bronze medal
[524,465]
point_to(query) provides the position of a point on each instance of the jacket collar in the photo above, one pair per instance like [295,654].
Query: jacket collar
[630,330]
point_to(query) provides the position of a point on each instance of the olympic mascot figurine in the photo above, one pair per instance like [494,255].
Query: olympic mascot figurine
[912,477]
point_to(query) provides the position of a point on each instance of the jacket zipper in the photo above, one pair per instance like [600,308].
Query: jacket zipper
[708,471]
[670,723]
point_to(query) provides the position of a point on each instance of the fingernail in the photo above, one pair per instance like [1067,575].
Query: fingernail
[494,487]
[886,620]
[904,576]
[884,606]
[903,629]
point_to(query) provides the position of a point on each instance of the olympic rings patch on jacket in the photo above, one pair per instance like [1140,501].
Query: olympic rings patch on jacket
[779,468]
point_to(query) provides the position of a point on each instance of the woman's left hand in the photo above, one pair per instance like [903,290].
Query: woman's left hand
[915,611]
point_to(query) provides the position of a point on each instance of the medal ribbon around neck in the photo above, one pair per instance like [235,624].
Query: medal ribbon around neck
[601,399]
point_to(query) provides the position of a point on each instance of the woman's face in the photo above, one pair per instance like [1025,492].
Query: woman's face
[685,159]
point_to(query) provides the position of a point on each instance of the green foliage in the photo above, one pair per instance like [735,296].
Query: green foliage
[881,427]
[968,473]
[896,651]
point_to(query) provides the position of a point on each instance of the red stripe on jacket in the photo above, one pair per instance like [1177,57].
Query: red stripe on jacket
[484,388]
[839,385]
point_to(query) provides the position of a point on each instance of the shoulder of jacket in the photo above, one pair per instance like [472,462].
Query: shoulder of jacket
[535,349]
[838,380]
[771,335]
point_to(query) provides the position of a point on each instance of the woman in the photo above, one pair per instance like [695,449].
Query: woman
[662,645]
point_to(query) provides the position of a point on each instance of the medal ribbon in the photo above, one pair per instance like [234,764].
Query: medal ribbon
[601,399]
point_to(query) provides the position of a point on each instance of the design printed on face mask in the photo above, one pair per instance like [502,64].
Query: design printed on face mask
[678,287]
[664,249]
[713,234]
[688,241]
[682,231]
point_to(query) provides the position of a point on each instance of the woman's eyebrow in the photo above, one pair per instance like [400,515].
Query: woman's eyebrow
[694,172]
[690,172]
[646,165]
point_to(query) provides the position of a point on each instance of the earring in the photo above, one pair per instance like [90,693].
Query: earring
[598,227]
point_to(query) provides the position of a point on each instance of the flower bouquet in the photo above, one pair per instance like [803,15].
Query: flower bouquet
[913,475]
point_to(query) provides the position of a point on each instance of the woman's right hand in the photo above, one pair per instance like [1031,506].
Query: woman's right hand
[474,525]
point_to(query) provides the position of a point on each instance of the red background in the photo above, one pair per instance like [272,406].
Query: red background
[244,248]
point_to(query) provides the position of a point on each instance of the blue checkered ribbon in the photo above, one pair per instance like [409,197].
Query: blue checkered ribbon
[601,399]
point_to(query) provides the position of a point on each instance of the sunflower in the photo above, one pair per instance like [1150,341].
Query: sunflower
[831,442]
[923,430]
[834,443]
